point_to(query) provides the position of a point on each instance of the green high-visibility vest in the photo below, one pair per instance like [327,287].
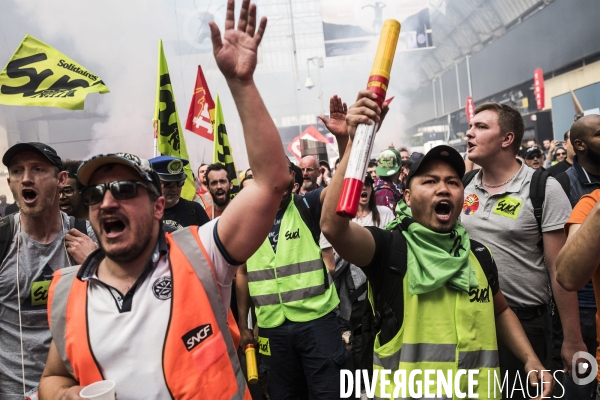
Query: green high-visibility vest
[290,283]
[446,330]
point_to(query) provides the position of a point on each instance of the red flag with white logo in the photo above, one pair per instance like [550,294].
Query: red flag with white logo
[469,109]
[538,88]
[201,116]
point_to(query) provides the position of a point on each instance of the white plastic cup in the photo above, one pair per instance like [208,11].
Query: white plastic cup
[102,390]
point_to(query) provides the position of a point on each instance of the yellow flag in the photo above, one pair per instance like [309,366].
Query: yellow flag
[166,123]
[38,75]
[222,150]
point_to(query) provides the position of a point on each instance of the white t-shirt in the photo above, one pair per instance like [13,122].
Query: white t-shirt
[127,334]
[385,216]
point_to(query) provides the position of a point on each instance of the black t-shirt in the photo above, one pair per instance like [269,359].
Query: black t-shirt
[384,241]
[313,202]
[178,217]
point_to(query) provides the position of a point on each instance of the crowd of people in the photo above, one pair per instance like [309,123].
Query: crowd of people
[485,262]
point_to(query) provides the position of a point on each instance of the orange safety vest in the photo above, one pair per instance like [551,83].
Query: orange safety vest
[210,370]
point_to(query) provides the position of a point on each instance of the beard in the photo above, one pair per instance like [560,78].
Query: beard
[221,202]
[309,185]
[143,239]
[592,156]
[45,203]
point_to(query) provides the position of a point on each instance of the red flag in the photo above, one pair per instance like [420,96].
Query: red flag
[469,109]
[310,133]
[201,116]
[538,88]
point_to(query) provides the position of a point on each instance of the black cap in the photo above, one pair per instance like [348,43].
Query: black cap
[37,147]
[532,151]
[414,157]
[297,173]
[444,153]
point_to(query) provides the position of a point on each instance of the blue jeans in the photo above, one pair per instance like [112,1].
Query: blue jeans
[306,359]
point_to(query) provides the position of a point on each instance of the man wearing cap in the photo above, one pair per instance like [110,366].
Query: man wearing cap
[534,158]
[36,249]
[151,311]
[388,188]
[179,212]
[441,314]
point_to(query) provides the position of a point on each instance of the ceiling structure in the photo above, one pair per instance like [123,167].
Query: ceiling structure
[463,27]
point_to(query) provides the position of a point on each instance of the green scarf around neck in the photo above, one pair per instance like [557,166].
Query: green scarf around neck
[435,258]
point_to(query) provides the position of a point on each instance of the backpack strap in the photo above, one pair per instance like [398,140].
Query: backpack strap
[307,217]
[189,206]
[78,224]
[468,177]
[389,298]
[7,227]
[537,194]
[484,256]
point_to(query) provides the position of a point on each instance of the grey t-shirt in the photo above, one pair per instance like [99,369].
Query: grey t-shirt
[37,263]
[506,224]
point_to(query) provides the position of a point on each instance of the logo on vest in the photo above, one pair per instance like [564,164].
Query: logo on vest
[480,295]
[292,235]
[196,336]
[163,288]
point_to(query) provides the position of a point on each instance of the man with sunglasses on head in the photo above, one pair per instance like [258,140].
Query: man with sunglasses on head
[150,310]
[33,245]
[179,212]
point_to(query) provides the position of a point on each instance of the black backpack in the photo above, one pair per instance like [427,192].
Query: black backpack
[537,194]
[388,293]
[7,227]
[189,206]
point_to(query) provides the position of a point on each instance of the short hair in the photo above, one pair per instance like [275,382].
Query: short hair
[71,166]
[401,149]
[566,137]
[372,163]
[509,120]
[215,167]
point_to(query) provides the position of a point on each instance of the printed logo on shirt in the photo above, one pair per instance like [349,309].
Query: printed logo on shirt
[172,223]
[480,295]
[196,336]
[292,235]
[39,293]
[471,204]
[263,346]
[162,288]
[508,206]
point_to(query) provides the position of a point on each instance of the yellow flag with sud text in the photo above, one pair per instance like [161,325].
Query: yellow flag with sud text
[222,150]
[167,128]
[39,75]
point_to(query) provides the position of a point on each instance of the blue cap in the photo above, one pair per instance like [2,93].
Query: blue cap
[169,169]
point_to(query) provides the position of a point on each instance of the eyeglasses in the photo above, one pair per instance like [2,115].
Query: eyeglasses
[121,190]
[67,191]
[169,185]
[307,169]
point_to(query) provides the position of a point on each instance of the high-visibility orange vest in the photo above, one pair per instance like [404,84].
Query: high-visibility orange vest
[210,370]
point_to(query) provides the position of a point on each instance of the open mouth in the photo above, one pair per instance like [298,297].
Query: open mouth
[363,195]
[470,146]
[65,206]
[220,193]
[29,195]
[443,210]
[113,226]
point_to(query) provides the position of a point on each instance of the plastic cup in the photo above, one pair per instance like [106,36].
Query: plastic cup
[102,390]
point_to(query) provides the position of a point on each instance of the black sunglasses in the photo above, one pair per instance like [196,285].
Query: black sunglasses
[168,185]
[121,190]
[561,154]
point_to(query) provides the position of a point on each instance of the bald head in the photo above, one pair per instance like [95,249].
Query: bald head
[584,128]
[310,172]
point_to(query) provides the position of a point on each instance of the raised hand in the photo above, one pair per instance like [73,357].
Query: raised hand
[336,124]
[236,52]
